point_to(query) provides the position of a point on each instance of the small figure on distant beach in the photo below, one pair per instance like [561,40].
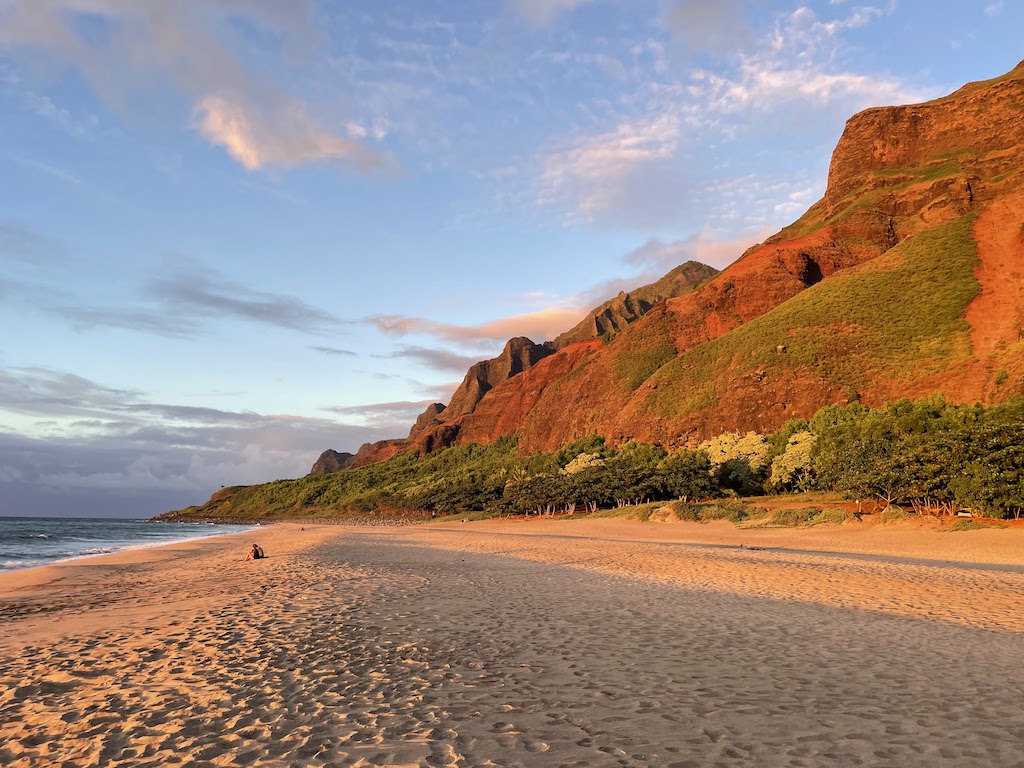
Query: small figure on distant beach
[255,553]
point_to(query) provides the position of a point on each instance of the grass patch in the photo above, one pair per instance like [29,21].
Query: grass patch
[833,516]
[794,517]
[969,525]
[899,316]
[645,349]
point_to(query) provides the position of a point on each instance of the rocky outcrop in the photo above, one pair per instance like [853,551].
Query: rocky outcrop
[518,355]
[615,314]
[431,417]
[371,453]
[331,461]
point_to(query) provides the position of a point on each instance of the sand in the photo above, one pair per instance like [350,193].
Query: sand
[548,643]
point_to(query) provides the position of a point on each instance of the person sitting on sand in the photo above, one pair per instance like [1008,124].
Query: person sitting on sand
[255,553]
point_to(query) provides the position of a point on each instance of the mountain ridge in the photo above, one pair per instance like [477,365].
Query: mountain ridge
[904,279]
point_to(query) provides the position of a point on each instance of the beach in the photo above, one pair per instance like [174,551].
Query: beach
[512,643]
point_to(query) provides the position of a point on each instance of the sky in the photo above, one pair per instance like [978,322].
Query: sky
[235,233]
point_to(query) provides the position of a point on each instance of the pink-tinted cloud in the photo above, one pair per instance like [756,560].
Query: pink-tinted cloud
[539,326]
[146,46]
[703,246]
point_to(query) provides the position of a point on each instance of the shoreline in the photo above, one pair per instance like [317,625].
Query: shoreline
[510,643]
[128,547]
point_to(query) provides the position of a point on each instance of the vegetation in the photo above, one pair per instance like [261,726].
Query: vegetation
[929,277]
[650,347]
[925,457]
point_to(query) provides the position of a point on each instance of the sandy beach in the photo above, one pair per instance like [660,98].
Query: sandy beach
[541,643]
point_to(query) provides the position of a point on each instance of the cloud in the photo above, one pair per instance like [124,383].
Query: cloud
[394,417]
[539,326]
[128,51]
[545,11]
[703,246]
[334,351]
[438,359]
[27,247]
[718,27]
[602,176]
[284,136]
[94,438]
[64,176]
[649,168]
[208,294]
[186,293]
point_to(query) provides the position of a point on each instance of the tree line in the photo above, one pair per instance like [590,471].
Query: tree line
[929,455]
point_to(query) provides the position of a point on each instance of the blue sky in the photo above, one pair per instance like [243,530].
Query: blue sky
[234,233]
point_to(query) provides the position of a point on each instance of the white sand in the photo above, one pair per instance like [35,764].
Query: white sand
[576,644]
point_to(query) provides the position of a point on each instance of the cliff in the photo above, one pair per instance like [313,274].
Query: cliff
[906,278]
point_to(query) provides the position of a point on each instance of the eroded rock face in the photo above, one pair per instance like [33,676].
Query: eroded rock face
[330,461]
[979,128]
[615,314]
[431,417]
[518,355]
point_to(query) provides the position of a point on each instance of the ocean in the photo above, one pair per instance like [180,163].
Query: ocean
[26,542]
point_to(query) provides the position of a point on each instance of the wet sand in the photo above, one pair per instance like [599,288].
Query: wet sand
[548,643]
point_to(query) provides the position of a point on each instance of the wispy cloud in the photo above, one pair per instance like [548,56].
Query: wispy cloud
[284,136]
[396,416]
[598,175]
[659,257]
[189,289]
[64,176]
[649,168]
[334,351]
[185,293]
[28,247]
[545,11]
[539,326]
[719,27]
[438,359]
[125,48]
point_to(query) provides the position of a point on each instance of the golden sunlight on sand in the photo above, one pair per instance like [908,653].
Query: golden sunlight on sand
[548,643]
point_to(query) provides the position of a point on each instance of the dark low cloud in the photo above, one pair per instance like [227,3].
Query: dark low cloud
[109,450]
